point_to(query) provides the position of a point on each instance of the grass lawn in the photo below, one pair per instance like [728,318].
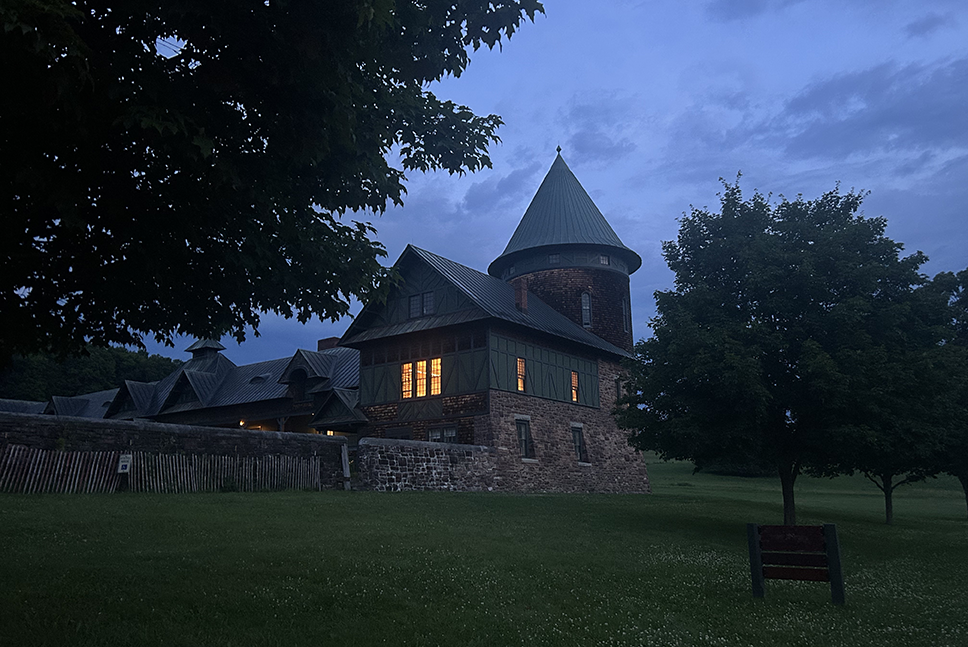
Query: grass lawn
[360,568]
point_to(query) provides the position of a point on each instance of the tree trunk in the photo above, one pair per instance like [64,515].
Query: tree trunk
[787,478]
[888,489]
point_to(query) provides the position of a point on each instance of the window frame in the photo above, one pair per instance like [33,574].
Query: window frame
[522,428]
[578,441]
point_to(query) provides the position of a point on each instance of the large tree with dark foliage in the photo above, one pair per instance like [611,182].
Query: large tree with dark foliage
[181,166]
[38,377]
[951,407]
[751,349]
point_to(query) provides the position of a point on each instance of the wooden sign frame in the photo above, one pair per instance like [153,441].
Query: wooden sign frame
[805,553]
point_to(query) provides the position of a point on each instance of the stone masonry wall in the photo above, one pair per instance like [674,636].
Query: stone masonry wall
[395,465]
[562,288]
[612,466]
[98,435]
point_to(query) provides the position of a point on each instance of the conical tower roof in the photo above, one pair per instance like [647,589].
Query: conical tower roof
[562,214]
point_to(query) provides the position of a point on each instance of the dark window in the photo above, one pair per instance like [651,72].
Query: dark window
[586,310]
[578,437]
[421,305]
[443,434]
[626,317]
[480,339]
[554,259]
[603,259]
[448,345]
[524,438]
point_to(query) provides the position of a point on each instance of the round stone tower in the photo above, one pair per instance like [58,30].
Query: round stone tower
[571,259]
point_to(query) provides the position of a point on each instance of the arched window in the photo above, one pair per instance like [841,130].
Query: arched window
[586,310]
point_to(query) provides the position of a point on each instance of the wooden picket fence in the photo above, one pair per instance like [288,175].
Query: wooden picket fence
[27,470]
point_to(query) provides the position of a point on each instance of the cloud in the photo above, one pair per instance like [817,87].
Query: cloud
[729,10]
[600,127]
[501,191]
[929,24]
[883,109]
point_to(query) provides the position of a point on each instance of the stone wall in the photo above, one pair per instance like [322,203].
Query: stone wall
[562,288]
[388,465]
[67,434]
[612,465]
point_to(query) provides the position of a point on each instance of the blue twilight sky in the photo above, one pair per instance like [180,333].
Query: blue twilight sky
[653,101]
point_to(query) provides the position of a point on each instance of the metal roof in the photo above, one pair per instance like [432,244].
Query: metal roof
[22,406]
[203,344]
[89,405]
[494,298]
[562,213]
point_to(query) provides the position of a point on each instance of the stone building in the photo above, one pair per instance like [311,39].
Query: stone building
[524,360]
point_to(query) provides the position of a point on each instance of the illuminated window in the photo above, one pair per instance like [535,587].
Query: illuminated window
[406,379]
[574,386]
[521,375]
[421,378]
[586,310]
[524,438]
[435,376]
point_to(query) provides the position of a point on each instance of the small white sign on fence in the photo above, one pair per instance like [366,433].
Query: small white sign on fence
[124,464]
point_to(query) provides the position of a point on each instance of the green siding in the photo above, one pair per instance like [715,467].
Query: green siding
[547,372]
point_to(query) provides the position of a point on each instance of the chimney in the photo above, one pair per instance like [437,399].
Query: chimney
[521,293]
[329,342]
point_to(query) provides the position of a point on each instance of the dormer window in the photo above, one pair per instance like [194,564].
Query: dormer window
[554,259]
[421,305]
[603,259]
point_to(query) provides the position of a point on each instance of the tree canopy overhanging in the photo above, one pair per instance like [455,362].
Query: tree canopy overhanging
[780,318]
[181,166]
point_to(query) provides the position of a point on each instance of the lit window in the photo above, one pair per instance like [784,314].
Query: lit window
[521,375]
[435,376]
[574,386]
[578,437]
[524,438]
[603,259]
[406,379]
[421,378]
[586,310]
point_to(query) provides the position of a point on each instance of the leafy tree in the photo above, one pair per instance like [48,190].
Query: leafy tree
[38,377]
[181,167]
[951,408]
[750,350]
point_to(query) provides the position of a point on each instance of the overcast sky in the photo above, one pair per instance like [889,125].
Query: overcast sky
[652,102]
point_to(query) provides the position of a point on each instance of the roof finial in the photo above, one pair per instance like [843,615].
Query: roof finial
[559,148]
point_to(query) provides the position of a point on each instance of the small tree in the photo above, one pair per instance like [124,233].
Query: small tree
[748,354]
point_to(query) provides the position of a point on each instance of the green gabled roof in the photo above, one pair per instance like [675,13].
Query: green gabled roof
[562,214]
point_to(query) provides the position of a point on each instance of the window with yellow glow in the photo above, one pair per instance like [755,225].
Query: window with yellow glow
[435,376]
[521,374]
[421,378]
[574,386]
[406,379]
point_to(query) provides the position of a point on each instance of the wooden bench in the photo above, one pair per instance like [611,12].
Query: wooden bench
[810,553]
